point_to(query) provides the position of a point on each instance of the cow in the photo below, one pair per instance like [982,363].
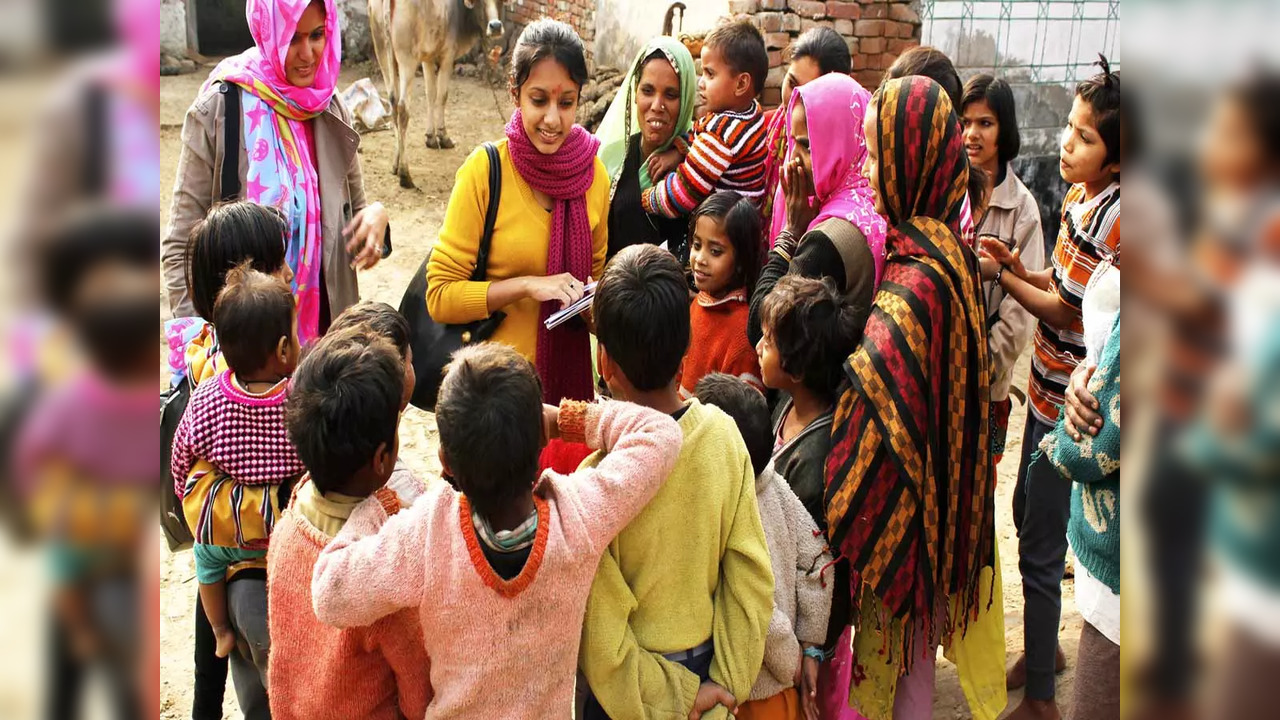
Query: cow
[432,33]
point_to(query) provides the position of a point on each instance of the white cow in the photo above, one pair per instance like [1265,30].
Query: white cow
[432,33]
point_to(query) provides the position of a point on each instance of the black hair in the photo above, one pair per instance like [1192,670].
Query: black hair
[547,38]
[999,97]
[344,402]
[118,330]
[253,311]
[1257,95]
[813,328]
[742,47]
[825,47]
[741,221]
[977,191]
[378,318]
[931,63]
[230,234]
[489,415]
[641,309]
[748,409]
[1102,92]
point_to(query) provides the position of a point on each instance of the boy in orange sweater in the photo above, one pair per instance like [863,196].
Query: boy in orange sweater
[342,416]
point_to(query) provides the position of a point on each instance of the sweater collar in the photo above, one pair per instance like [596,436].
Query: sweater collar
[739,295]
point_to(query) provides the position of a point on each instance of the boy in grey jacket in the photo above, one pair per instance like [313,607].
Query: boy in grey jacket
[798,553]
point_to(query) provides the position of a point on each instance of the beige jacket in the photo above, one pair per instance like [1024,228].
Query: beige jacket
[801,599]
[1013,216]
[197,187]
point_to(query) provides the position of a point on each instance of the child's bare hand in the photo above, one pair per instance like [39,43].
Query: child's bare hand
[797,189]
[662,163]
[710,695]
[1081,406]
[994,248]
[551,421]
[809,687]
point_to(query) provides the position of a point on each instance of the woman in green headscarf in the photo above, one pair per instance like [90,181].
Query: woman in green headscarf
[653,108]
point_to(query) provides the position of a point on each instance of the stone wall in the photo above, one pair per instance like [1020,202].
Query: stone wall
[877,33]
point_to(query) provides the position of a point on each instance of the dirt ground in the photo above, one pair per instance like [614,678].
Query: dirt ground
[472,117]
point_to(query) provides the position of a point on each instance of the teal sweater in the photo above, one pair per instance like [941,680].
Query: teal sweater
[1093,466]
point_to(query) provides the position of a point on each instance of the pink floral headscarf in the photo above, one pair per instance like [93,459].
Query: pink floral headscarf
[282,171]
[835,106]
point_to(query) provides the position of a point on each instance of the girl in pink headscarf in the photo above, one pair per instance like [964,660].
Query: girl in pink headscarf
[296,151]
[824,222]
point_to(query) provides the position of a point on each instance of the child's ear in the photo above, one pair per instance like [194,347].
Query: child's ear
[743,86]
[1114,169]
[606,365]
[282,349]
[383,460]
[444,462]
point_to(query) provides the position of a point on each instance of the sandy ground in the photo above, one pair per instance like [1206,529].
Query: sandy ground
[472,117]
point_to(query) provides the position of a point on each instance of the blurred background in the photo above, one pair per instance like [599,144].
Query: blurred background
[80,548]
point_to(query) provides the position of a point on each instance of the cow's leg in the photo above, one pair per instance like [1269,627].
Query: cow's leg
[404,86]
[443,76]
[429,81]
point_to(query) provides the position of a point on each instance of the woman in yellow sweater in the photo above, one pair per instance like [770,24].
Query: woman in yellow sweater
[551,232]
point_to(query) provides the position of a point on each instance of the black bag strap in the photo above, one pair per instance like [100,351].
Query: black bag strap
[490,213]
[230,141]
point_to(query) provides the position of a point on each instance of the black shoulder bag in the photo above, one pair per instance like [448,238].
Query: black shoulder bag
[433,343]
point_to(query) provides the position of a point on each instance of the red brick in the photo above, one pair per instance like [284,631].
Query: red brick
[853,44]
[868,28]
[812,9]
[775,58]
[886,59]
[775,76]
[879,10]
[744,6]
[773,4]
[869,79]
[846,10]
[790,22]
[902,12]
[897,46]
[859,61]
[844,27]
[769,22]
[900,29]
[776,40]
[872,45]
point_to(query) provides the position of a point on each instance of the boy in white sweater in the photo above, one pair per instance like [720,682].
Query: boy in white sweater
[788,681]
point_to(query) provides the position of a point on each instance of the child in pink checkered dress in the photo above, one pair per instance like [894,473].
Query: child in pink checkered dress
[234,429]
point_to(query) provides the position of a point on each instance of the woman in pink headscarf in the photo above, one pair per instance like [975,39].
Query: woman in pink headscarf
[827,225]
[296,151]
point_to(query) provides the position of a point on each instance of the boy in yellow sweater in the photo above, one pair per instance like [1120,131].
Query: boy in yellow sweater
[681,602]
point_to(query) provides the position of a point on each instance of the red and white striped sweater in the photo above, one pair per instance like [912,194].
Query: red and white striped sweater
[727,152]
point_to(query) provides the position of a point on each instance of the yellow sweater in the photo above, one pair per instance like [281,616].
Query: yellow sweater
[693,566]
[520,237]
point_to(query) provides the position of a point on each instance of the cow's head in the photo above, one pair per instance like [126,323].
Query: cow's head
[490,15]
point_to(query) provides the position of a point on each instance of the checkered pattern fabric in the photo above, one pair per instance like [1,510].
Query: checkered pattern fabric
[910,484]
[243,435]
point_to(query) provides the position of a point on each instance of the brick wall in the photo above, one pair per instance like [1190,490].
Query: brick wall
[580,14]
[877,33]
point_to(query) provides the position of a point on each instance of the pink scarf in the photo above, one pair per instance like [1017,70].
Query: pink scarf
[282,171]
[835,106]
[566,176]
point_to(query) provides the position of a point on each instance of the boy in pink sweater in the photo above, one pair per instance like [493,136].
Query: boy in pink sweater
[498,562]
[344,389]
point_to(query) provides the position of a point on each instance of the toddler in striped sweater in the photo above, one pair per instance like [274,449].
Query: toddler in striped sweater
[726,148]
[235,422]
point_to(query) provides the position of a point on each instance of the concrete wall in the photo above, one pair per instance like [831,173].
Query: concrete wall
[173,27]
